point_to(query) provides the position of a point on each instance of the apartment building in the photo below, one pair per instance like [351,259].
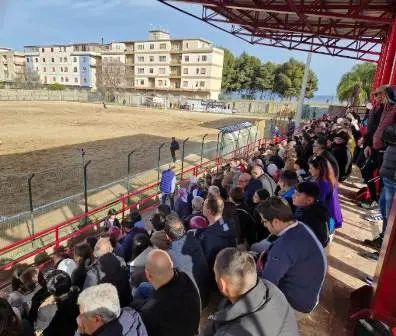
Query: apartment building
[188,67]
[12,65]
[72,65]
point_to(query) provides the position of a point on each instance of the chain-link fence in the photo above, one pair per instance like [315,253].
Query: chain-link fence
[37,201]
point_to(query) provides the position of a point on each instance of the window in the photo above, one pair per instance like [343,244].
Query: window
[66,69]
[27,60]
[151,46]
[45,79]
[62,79]
[186,58]
[197,71]
[162,71]
[151,70]
[42,49]
[203,71]
[85,80]
[84,68]
[37,69]
[44,69]
[202,84]
[52,60]
[61,69]
[204,58]
[141,58]
[76,80]
[185,71]
[64,59]
[53,69]
[64,49]
[52,49]
[84,59]
[196,84]
[74,59]
[60,59]
[185,84]
[36,60]
[162,58]
[54,79]
[67,79]
[43,60]
[163,46]
[142,82]
[151,58]
[140,70]
[186,44]
[140,47]
[75,69]
[160,82]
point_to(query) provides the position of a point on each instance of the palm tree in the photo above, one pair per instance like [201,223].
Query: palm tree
[355,86]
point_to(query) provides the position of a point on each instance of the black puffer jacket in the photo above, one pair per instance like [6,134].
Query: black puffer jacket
[264,310]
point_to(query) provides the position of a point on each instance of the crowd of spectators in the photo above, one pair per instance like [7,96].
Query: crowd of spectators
[254,232]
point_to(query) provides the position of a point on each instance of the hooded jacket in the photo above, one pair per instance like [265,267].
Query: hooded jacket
[264,310]
[129,323]
[110,269]
[316,217]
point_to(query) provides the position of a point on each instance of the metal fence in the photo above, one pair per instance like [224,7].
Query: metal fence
[37,201]
[22,248]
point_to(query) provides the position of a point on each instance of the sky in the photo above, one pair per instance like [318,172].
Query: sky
[41,22]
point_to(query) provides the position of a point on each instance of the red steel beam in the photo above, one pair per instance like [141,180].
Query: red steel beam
[319,10]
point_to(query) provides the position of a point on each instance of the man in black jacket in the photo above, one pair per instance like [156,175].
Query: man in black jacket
[174,146]
[253,306]
[175,295]
[311,212]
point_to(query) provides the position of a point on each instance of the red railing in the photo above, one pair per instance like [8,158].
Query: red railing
[58,238]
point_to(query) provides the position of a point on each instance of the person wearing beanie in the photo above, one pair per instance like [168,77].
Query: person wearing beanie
[310,211]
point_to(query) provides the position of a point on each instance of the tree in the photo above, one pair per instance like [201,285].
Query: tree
[355,85]
[29,80]
[289,77]
[112,75]
[56,87]
[229,70]
[246,66]
[264,76]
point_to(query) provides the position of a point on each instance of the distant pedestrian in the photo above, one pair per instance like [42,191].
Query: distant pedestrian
[174,146]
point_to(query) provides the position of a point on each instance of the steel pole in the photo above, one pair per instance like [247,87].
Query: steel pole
[217,151]
[129,170]
[202,146]
[182,166]
[31,203]
[159,159]
[303,90]
[86,190]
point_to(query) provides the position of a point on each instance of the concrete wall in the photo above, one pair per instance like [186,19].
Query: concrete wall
[46,95]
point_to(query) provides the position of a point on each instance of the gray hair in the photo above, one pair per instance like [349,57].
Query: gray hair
[197,203]
[102,247]
[100,300]
[214,190]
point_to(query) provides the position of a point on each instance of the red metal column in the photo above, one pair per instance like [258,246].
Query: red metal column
[389,61]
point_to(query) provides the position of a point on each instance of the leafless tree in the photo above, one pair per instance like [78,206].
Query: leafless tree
[29,80]
[111,76]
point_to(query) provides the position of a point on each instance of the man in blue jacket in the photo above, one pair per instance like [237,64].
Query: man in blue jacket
[219,234]
[168,185]
[295,261]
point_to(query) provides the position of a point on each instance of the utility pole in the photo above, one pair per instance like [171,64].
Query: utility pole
[300,104]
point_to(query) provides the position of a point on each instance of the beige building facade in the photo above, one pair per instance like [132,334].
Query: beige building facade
[187,67]
[12,65]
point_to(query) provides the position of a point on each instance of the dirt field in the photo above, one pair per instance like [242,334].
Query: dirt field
[46,139]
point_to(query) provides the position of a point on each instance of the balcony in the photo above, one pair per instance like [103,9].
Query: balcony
[175,74]
[175,62]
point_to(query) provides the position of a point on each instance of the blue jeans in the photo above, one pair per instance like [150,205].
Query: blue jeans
[386,201]
[165,196]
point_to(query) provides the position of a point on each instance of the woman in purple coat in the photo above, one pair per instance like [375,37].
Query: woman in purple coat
[322,173]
